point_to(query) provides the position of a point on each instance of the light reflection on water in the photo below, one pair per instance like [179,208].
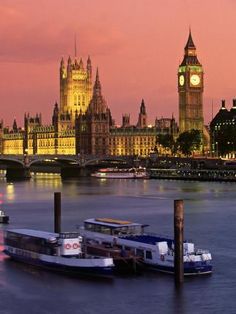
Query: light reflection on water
[209,220]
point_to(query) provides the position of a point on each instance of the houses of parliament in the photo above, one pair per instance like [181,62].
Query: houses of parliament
[82,122]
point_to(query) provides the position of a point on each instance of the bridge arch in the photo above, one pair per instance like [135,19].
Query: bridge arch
[11,161]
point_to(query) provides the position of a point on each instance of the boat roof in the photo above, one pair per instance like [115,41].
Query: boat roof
[34,233]
[115,223]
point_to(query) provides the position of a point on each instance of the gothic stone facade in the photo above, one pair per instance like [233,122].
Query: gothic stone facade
[82,123]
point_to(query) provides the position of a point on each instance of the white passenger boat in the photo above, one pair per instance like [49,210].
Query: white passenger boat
[157,251]
[58,252]
[119,173]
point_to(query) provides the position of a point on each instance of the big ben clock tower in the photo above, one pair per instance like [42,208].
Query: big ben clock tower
[190,88]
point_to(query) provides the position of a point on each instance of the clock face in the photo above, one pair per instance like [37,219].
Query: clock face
[195,79]
[181,80]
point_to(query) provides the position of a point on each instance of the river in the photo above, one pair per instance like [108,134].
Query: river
[210,215]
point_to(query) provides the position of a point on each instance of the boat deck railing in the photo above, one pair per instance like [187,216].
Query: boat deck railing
[151,238]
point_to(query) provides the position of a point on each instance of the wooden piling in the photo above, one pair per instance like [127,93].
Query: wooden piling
[57,212]
[178,238]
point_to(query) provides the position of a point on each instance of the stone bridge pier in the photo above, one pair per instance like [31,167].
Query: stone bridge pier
[17,169]
[18,173]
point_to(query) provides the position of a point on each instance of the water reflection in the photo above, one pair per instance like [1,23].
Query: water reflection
[209,223]
[10,192]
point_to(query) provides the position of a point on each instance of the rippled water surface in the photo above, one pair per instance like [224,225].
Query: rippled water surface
[210,216]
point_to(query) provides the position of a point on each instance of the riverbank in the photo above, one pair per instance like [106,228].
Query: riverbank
[194,174]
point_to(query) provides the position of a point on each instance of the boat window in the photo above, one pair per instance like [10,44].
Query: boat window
[140,252]
[115,231]
[97,228]
[26,242]
[105,230]
[89,227]
[69,235]
[148,255]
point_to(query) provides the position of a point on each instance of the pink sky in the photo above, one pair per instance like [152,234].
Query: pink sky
[137,45]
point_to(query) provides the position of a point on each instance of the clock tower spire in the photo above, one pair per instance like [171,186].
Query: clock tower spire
[190,89]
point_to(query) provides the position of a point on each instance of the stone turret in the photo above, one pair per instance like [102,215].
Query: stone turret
[97,104]
[125,120]
[14,126]
[89,68]
[93,127]
[75,87]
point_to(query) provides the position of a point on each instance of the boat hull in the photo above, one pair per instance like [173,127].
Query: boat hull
[113,176]
[80,270]
[188,269]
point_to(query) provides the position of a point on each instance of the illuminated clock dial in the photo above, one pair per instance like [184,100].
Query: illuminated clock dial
[181,80]
[195,79]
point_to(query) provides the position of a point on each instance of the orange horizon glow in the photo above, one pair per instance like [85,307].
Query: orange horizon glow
[136,44]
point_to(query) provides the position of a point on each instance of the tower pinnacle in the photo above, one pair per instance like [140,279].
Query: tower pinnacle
[97,85]
[190,43]
[190,55]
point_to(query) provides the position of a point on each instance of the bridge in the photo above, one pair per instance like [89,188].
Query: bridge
[20,166]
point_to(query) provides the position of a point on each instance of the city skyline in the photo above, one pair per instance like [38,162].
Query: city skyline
[133,43]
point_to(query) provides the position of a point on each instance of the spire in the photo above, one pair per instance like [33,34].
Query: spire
[89,67]
[190,43]
[190,55]
[97,85]
[14,127]
[81,65]
[97,103]
[142,107]
[89,60]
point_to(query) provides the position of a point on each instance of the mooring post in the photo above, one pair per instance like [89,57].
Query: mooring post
[57,212]
[179,234]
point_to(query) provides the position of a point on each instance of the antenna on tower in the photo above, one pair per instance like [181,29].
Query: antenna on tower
[75,47]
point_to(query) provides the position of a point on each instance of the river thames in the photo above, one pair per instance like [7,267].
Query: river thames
[210,216]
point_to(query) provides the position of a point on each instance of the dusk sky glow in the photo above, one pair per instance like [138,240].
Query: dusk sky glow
[136,44]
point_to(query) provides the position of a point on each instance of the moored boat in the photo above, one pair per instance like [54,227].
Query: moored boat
[4,219]
[125,261]
[156,251]
[121,173]
[54,251]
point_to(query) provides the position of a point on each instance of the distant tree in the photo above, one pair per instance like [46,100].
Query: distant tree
[166,140]
[189,141]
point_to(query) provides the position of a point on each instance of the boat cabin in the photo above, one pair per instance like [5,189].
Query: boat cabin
[113,227]
[42,242]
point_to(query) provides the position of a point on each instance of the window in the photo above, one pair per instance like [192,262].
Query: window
[140,253]
[148,255]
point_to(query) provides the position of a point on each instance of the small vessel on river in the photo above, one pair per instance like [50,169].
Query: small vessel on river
[125,261]
[157,252]
[54,251]
[4,219]
[121,173]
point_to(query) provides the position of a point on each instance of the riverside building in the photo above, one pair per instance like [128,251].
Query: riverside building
[223,130]
[82,123]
